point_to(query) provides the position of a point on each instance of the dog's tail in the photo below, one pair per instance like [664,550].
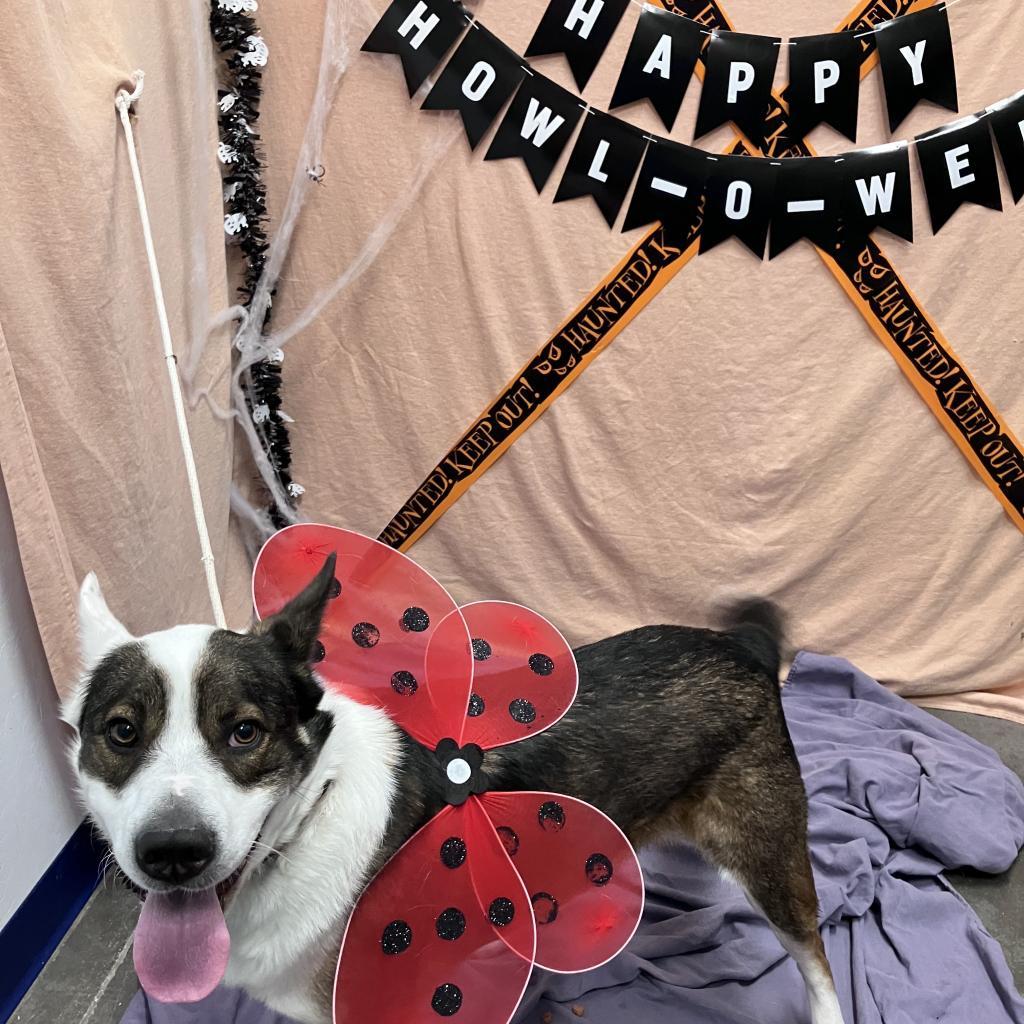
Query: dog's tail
[759,627]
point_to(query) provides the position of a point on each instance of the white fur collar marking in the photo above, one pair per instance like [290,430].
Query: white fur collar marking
[285,922]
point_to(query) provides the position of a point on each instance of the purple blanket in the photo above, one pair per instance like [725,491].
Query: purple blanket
[896,796]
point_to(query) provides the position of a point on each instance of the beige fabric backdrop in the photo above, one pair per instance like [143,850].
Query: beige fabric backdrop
[746,434]
[88,444]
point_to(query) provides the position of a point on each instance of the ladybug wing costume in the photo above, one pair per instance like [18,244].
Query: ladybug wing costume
[452,925]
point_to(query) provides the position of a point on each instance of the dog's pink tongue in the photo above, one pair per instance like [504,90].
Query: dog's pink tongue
[181,945]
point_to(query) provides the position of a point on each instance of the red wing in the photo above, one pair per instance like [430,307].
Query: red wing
[437,931]
[582,875]
[524,674]
[377,628]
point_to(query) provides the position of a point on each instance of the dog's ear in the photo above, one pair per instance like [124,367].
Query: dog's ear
[296,626]
[99,632]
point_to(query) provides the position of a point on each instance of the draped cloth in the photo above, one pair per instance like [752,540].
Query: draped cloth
[745,434]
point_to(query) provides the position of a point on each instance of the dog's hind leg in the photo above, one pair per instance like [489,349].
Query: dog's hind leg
[788,900]
[809,954]
[750,820]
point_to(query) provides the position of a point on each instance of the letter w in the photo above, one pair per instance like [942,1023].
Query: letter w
[540,123]
[876,194]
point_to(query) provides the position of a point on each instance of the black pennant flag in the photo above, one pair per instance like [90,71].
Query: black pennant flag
[1008,126]
[824,83]
[477,81]
[916,54]
[602,163]
[669,189]
[876,193]
[659,63]
[537,127]
[959,166]
[738,82]
[580,29]
[740,194]
[806,203]
[420,32]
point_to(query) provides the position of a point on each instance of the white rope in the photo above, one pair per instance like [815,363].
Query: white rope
[123,103]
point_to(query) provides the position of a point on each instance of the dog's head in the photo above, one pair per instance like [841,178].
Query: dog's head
[185,739]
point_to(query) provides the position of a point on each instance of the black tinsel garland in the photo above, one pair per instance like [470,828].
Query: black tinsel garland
[245,212]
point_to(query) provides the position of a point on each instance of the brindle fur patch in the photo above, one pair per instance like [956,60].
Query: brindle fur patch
[125,684]
[675,731]
[248,677]
[265,676]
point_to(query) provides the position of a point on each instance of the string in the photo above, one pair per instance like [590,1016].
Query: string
[884,24]
[952,126]
[123,102]
[856,35]
[663,10]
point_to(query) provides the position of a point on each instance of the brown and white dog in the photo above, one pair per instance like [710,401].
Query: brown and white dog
[223,776]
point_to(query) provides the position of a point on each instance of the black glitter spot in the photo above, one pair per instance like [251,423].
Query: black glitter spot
[481,650]
[415,620]
[541,664]
[509,840]
[500,912]
[551,816]
[453,852]
[476,705]
[404,683]
[365,634]
[599,869]
[335,589]
[319,652]
[450,924]
[522,711]
[397,938]
[447,1000]
[545,907]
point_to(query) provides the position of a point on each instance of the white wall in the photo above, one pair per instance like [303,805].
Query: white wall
[37,812]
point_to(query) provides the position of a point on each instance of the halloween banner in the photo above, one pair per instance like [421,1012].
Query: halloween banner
[873,285]
[915,50]
[602,163]
[959,166]
[917,63]
[806,204]
[739,195]
[876,193]
[737,81]
[537,127]
[581,29]
[477,82]
[660,63]
[808,198]
[420,33]
[1008,128]
[824,83]
[669,189]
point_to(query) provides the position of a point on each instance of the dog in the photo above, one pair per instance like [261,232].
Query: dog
[225,778]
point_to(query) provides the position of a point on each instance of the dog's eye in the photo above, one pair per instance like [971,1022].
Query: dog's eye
[122,733]
[245,734]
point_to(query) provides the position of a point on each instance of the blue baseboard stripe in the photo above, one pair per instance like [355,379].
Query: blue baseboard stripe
[38,925]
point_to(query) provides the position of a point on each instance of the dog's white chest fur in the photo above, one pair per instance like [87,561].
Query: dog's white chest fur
[287,919]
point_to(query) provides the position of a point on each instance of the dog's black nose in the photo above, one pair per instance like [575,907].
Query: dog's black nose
[174,854]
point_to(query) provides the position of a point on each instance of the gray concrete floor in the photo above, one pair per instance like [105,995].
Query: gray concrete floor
[997,899]
[90,979]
